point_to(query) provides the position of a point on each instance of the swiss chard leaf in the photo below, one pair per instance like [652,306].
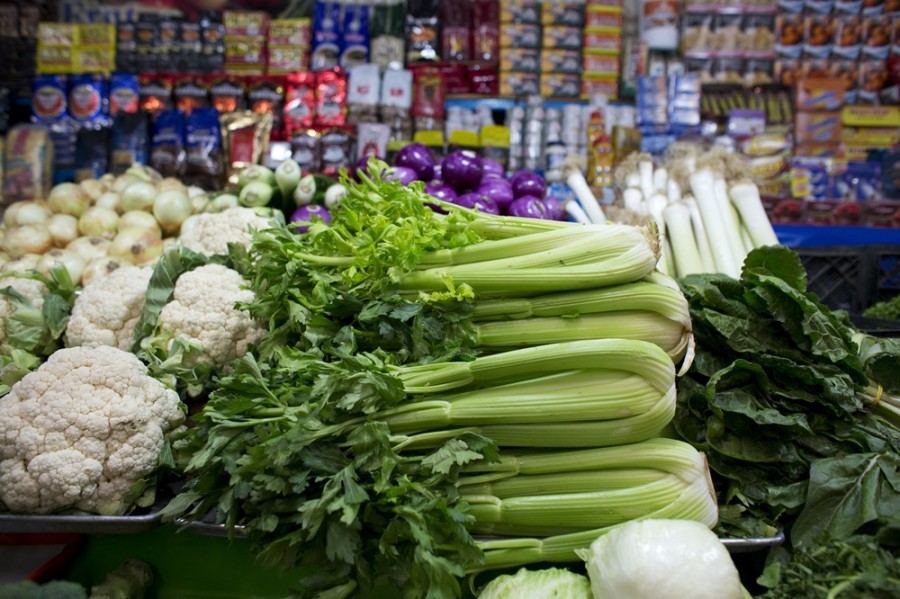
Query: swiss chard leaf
[847,492]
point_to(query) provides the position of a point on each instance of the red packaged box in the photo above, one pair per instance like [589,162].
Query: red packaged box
[331,98]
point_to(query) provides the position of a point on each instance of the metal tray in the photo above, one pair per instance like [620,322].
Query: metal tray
[733,545]
[208,529]
[749,545]
[87,524]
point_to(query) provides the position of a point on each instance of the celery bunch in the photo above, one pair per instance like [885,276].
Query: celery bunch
[428,376]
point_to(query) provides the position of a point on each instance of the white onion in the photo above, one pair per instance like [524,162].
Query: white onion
[107,180]
[139,171]
[171,184]
[27,239]
[199,203]
[171,208]
[98,222]
[123,181]
[68,198]
[22,264]
[63,228]
[110,200]
[25,213]
[92,188]
[99,268]
[138,196]
[89,248]
[138,219]
[136,246]
[72,262]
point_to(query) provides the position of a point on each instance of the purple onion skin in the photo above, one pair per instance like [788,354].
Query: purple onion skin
[437,173]
[306,213]
[491,167]
[462,170]
[419,158]
[555,210]
[499,190]
[403,174]
[476,201]
[529,184]
[528,207]
[441,191]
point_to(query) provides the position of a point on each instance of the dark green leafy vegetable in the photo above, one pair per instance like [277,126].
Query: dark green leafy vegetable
[888,310]
[779,399]
[856,567]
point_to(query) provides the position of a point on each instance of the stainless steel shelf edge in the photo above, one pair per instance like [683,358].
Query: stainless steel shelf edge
[15,523]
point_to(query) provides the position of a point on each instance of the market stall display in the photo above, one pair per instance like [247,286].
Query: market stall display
[385,325]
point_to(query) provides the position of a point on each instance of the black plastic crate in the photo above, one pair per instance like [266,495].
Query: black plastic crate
[840,275]
[886,271]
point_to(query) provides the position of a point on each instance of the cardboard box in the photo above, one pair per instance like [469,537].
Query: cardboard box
[818,127]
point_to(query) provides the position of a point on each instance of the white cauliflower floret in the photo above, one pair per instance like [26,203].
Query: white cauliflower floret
[108,308]
[81,430]
[32,289]
[203,312]
[210,233]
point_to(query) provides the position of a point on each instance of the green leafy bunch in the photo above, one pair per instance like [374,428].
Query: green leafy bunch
[775,399]
[343,278]
[294,452]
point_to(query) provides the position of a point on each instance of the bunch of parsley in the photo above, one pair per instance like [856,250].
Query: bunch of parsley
[288,446]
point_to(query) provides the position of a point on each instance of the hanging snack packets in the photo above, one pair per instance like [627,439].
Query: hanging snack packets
[155,94]
[326,37]
[124,93]
[337,145]
[306,150]
[299,102]
[245,136]
[167,143]
[88,101]
[227,94]
[331,98]
[266,96]
[49,99]
[355,35]
[190,93]
[130,141]
[203,149]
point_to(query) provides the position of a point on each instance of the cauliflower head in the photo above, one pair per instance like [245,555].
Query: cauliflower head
[108,309]
[210,233]
[203,312]
[30,288]
[80,430]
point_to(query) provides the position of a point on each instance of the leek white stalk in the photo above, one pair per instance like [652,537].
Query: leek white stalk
[706,256]
[745,197]
[645,169]
[577,213]
[684,244]
[732,224]
[660,180]
[656,203]
[703,185]
[579,185]
[633,180]
[673,191]
[633,200]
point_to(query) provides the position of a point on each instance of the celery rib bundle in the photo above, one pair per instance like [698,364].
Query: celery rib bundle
[428,377]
